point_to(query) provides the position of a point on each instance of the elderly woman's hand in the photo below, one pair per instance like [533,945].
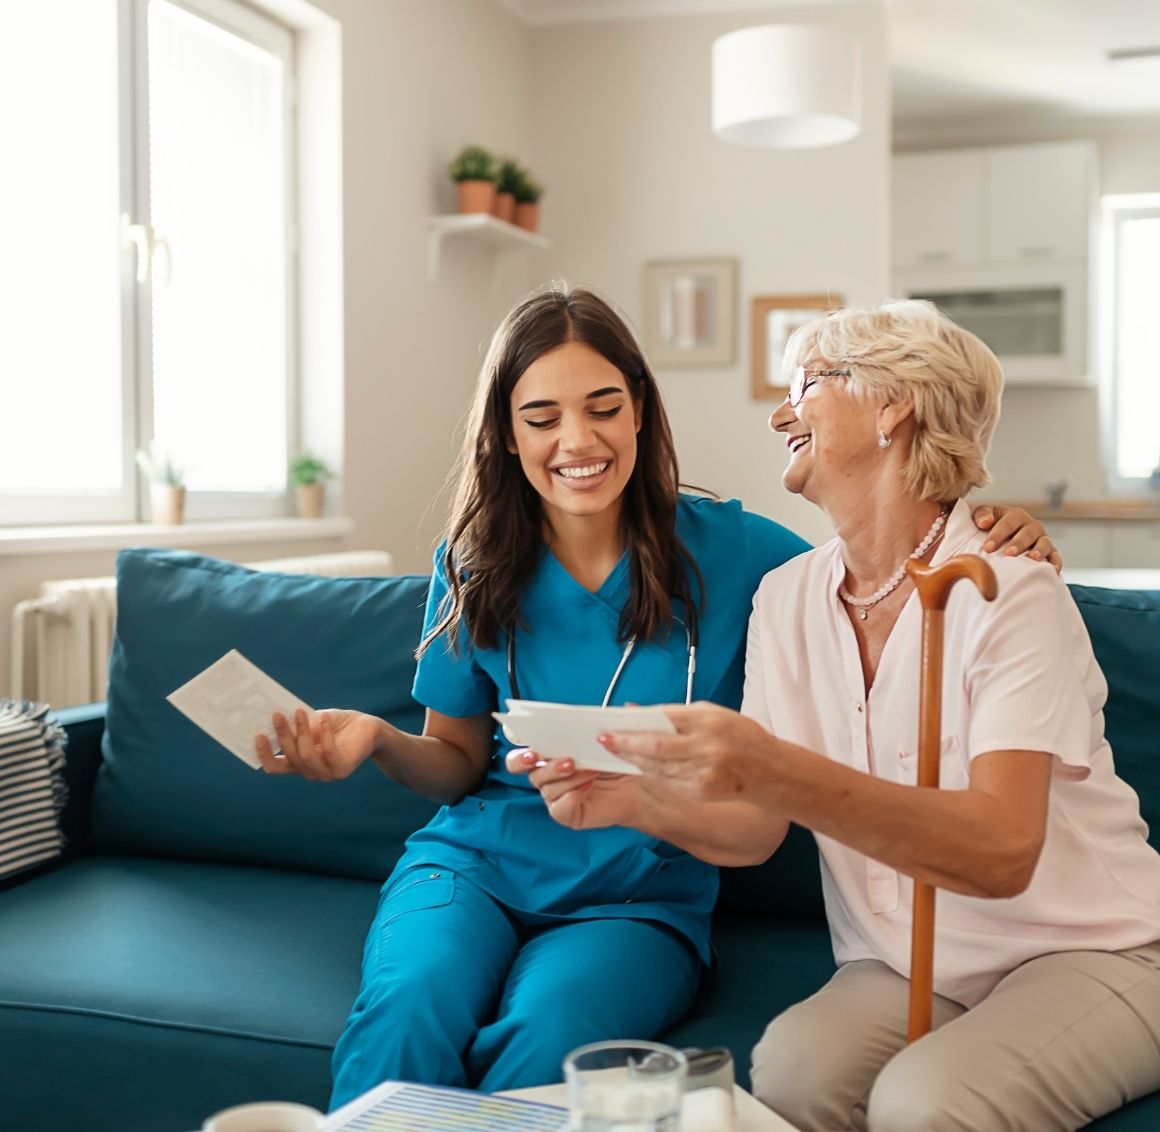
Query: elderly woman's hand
[715,754]
[1014,531]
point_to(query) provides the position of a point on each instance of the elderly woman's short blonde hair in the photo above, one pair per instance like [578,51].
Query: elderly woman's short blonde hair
[909,350]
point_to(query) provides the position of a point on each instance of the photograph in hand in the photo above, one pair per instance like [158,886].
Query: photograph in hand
[232,701]
[567,731]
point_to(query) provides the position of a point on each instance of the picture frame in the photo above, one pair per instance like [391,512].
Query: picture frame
[772,319]
[690,312]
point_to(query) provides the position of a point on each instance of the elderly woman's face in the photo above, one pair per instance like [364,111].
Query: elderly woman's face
[831,434]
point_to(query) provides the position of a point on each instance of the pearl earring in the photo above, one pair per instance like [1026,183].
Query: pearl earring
[884,441]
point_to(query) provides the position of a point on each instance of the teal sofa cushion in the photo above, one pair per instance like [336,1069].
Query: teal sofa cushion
[166,788]
[1124,626]
[789,884]
[145,994]
[763,968]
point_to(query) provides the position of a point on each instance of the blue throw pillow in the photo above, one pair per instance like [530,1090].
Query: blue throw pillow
[1124,626]
[166,788]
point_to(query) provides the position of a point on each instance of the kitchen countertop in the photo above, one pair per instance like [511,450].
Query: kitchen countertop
[1093,510]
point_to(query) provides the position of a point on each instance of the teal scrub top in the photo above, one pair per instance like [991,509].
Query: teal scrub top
[502,836]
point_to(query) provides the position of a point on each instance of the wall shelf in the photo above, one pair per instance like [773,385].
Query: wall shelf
[502,236]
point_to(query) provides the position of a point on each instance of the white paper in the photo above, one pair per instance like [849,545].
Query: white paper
[233,700]
[566,731]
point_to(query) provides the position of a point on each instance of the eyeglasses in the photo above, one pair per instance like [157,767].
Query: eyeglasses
[803,378]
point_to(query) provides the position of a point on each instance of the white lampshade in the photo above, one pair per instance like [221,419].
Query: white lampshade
[787,86]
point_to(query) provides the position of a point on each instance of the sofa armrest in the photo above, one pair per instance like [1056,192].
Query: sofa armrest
[84,725]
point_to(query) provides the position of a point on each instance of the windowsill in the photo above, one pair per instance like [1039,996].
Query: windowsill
[113,536]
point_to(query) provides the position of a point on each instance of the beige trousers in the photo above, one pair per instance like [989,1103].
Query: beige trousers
[1061,1040]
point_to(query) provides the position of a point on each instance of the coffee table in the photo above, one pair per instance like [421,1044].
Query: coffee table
[751,1114]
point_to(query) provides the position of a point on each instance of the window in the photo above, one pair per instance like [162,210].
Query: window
[1132,340]
[149,271]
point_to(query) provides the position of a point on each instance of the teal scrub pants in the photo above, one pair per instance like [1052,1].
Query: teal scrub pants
[458,990]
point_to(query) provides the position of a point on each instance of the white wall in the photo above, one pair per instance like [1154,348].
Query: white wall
[420,79]
[1045,435]
[621,135]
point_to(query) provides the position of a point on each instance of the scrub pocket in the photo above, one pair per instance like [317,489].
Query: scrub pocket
[673,876]
[417,890]
[420,889]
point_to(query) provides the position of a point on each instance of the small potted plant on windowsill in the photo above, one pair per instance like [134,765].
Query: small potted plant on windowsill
[309,474]
[166,476]
[505,190]
[528,193]
[474,174]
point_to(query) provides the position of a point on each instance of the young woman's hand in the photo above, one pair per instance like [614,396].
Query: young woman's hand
[1014,531]
[578,799]
[322,746]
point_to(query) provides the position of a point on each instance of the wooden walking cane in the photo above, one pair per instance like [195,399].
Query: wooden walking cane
[934,586]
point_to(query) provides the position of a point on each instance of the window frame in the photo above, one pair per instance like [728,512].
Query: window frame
[123,505]
[131,502]
[1116,209]
[265,32]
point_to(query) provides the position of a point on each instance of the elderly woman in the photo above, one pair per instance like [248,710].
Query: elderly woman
[1047,965]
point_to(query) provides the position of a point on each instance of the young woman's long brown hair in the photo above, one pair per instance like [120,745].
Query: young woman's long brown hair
[495,534]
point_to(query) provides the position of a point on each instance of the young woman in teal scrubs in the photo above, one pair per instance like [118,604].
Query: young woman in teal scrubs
[574,570]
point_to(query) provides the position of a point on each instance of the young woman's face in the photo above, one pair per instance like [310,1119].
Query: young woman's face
[574,427]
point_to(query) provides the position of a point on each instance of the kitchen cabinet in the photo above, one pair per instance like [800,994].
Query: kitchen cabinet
[1135,546]
[1040,202]
[998,239]
[989,207]
[1108,534]
[937,203]
[1083,545]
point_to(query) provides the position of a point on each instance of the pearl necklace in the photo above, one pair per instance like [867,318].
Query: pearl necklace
[864,604]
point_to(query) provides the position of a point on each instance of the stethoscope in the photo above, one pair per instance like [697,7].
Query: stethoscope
[690,645]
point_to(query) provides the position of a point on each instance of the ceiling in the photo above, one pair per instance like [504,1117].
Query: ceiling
[972,71]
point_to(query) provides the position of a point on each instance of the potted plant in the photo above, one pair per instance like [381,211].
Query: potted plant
[166,476]
[507,179]
[474,174]
[528,193]
[309,474]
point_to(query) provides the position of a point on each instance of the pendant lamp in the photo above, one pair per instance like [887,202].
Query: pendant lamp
[787,86]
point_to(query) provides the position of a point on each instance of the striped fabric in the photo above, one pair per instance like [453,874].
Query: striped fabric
[32,789]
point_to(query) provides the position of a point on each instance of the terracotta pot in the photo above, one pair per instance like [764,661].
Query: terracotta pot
[476,196]
[167,504]
[310,500]
[505,207]
[528,216]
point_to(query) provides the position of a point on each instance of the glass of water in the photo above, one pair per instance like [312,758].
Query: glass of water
[625,1086]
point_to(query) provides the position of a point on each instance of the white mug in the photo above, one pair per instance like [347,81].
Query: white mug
[265,1116]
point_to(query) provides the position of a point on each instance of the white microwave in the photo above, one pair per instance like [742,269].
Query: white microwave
[1035,318]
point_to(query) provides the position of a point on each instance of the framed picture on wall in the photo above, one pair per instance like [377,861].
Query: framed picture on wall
[774,318]
[690,312]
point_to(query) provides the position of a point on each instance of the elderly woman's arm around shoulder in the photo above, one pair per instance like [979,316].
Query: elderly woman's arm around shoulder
[981,841]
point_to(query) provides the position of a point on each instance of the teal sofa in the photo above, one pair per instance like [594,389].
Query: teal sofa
[199,944]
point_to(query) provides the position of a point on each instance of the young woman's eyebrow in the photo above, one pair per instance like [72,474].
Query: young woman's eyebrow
[552,404]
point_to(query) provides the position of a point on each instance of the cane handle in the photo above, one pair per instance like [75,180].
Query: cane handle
[934,582]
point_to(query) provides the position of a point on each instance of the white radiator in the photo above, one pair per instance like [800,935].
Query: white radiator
[61,639]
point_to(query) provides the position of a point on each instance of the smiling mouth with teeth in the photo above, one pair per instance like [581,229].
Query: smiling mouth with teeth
[798,443]
[582,473]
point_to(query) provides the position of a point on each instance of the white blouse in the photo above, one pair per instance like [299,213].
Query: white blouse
[1018,674]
